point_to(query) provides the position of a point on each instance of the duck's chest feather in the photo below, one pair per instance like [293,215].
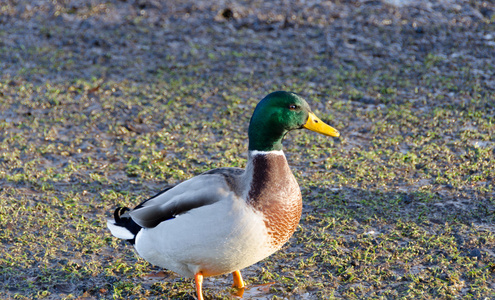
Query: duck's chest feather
[275,193]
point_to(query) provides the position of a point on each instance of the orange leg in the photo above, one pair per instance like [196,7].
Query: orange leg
[199,285]
[238,283]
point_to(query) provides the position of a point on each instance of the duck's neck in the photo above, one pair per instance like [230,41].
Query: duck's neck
[269,171]
[254,153]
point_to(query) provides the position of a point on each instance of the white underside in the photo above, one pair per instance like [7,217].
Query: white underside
[214,239]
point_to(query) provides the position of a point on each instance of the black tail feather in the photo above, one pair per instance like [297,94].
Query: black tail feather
[122,218]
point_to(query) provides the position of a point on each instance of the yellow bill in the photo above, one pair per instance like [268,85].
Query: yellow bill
[317,125]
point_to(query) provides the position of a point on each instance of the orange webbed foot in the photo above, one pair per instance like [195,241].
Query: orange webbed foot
[198,278]
[238,282]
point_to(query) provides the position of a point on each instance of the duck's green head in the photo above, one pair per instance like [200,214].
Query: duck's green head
[278,113]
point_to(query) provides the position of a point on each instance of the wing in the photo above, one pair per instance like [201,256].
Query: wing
[205,189]
[165,189]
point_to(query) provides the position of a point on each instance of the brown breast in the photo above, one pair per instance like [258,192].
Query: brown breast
[275,192]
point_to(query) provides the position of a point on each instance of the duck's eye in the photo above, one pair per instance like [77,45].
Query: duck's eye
[292,107]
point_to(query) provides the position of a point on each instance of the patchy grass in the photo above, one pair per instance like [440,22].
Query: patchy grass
[402,206]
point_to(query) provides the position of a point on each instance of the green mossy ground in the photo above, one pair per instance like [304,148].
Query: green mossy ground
[103,104]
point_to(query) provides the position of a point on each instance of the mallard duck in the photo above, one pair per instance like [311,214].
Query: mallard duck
[226,219]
